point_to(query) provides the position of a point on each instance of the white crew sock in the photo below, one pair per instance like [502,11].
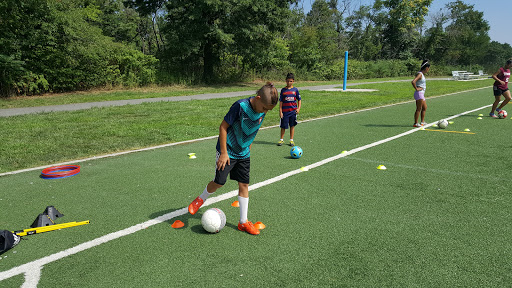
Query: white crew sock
[244,206]
[205,194]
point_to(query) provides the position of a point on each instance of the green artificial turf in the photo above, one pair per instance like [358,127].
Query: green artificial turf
[437,217]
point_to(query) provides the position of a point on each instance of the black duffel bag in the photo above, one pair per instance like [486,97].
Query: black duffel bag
[8,240]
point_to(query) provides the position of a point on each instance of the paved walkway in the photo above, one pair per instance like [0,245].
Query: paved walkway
[81,106]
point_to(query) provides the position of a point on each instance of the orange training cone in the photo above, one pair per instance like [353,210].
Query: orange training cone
[177,224]
[235,204]
[258,225]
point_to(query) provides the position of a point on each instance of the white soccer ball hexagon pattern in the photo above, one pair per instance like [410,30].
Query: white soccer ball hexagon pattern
[442,124]
[213,220]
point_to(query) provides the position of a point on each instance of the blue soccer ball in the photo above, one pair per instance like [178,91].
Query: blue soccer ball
[296,152]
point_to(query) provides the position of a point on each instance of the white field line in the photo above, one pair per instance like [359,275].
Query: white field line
[30,269]
[437,171]
[32,277]
[210,137]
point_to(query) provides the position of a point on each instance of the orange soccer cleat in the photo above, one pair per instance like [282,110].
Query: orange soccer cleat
[248,227]
[195,205]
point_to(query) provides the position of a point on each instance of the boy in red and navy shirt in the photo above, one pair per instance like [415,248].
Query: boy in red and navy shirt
[289,107]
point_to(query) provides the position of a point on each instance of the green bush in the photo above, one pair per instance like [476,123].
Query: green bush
[362,70]
[64,50]
[10,70]
[135,68]
[31,84]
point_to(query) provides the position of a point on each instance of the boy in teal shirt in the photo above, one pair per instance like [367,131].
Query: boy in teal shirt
[236,134]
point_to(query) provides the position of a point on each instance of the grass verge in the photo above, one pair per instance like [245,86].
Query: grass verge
[100,95]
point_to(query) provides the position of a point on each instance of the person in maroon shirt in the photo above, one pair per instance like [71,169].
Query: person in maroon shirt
[500,87]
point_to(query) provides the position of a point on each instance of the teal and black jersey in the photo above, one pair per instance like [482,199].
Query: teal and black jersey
[244,123]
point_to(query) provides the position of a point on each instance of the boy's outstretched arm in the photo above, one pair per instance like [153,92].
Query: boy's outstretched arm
[223,135]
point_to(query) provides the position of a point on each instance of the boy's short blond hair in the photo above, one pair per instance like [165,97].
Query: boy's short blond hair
[268,94]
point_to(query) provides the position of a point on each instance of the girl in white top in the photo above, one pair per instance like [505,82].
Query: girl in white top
[420,85]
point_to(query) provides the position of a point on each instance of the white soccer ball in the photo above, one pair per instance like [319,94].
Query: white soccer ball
[442,124]
[502,114]
[213,220]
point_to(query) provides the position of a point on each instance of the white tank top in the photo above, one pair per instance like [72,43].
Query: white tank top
[422,82]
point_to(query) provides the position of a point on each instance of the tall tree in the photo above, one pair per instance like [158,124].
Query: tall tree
[496,54]
[148,28]
[118,21]
[323,18]
[467,34]
[435,40]
[401,20]
[199,32]
[315,42]
[364,36]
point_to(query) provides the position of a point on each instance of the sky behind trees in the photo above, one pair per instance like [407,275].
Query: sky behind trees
[496,12]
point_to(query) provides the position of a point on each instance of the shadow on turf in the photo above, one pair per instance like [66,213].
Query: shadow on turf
[196,228]
[264,142]
[183,218]
[200,230]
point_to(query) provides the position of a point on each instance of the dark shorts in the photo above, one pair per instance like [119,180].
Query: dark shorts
[289,119]
[498,91]
[238,170]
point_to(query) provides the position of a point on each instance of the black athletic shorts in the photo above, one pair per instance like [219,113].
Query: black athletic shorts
[498,91]
[238,170]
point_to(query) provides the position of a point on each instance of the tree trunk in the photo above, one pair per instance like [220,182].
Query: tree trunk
[208,62]
[154,32]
